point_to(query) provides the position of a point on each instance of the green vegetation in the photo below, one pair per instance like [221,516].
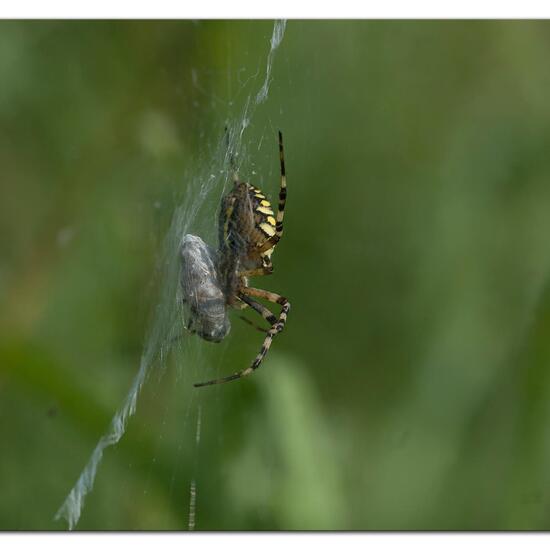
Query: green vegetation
[411,387]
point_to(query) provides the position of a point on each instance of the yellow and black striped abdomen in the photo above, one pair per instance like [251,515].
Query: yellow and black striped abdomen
[247,223]
[264,217]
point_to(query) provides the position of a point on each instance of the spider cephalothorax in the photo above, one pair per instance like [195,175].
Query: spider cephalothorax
[212,281]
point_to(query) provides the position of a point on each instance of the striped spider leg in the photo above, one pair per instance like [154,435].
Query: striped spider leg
[274,239]
[277,325]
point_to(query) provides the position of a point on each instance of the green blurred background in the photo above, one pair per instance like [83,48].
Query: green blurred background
[411,388]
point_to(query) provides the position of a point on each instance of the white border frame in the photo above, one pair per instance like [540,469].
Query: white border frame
[293,9]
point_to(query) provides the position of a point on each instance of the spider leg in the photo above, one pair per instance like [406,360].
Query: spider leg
[249,322]
[272,241]
[277,325]
[282,190]
[259,308]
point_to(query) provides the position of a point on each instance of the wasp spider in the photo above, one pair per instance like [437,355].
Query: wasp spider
[214,281]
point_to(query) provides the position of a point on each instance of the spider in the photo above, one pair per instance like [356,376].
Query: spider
[215,280]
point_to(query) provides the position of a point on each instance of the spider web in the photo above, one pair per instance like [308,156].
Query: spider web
[192,214]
